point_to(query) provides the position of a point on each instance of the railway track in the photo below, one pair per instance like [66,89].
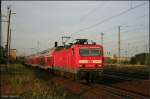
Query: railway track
[97,91]
[125,76]
[121,92]
[128,74]
[120,77]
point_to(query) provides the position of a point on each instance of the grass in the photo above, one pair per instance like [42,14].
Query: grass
[25,82]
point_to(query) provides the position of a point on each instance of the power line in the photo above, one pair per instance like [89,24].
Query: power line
[102,34]
[129,25]
[114,16]
[119,45]
[125,46]
[129,30]
[128,39]
[106,30]
[134,27]
[137,20]
[137,36]
[84,17]
[138,41]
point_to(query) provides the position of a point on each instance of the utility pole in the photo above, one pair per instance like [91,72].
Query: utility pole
[148,53]
[0,34]
[38,46]
[126,54]
[9,46]
[8,27]
[8,35]
[102,34]
[128,50]
[119,45]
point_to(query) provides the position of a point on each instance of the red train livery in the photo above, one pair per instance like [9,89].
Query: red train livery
[80,59]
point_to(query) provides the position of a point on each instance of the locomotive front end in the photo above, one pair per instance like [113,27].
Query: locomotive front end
[90,61]
[90,57]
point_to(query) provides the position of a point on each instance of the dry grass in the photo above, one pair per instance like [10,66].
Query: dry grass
[27,82]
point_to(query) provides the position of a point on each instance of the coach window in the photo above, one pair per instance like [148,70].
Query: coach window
[49,58]
[72,51]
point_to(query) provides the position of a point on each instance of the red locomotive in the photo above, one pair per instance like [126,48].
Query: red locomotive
[79,60]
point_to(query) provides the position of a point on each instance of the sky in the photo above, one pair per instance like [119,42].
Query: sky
[38,24]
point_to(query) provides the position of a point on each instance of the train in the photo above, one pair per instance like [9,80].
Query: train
[79,60]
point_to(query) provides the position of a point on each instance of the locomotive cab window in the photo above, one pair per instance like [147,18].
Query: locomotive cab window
[89,51]
[84,51]
[94,51]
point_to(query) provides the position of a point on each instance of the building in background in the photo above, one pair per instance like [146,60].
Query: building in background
[114,58]
[12,54]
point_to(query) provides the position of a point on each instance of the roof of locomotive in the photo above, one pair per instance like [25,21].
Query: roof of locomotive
[88,45]
[78,45]
[79,42]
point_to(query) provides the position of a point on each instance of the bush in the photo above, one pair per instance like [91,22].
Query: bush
[142,59]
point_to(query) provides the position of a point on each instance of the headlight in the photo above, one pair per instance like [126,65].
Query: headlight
[82,66]
[97,65]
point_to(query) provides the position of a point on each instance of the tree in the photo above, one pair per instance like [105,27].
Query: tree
[2,55]
[142,58]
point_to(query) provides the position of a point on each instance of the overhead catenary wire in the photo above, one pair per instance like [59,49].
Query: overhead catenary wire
[135,29]
[109,18]
[127,32]
[129,25]
[126,47]
[91,11]
[129,39]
